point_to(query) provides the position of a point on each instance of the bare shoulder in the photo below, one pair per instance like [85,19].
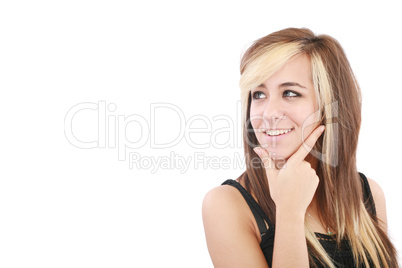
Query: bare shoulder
[222,198]
[224,204]
[379,201]
[221,192]
[376,190]
[229,230]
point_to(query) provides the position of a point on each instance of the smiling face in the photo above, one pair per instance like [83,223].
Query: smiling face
[283,108]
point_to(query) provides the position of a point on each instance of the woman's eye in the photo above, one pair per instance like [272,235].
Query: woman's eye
[258,95]
[290,94]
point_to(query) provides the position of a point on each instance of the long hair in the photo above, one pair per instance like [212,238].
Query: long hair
[339,193]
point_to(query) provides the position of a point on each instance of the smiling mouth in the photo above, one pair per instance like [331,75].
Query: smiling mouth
[278,132]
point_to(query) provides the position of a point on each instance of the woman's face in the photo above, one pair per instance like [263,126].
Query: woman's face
[282,111]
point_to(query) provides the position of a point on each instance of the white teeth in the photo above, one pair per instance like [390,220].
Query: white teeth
[277,132]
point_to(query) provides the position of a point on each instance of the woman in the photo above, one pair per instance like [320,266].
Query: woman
[301,201]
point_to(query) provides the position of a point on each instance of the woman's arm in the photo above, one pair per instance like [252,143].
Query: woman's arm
[230,233]
[290,247]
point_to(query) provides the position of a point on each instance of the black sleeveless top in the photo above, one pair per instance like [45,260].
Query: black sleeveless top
[341,255]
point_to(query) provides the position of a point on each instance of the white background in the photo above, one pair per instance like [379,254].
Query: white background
[64,206]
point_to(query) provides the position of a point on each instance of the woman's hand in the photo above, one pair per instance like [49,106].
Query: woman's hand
[292,187]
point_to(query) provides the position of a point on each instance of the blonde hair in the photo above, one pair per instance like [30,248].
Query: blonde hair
[339,194]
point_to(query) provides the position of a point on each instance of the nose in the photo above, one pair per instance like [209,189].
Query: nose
[273,113]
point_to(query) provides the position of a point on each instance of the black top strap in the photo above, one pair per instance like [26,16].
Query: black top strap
[259,215]
[367,195]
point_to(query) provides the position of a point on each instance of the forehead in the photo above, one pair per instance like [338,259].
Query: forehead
[297,69]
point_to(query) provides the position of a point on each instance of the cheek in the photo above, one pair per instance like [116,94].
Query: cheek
[256,118]
[254,111]
[305,114]
[306,120]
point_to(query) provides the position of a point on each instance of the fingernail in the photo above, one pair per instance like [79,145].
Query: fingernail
[322,128]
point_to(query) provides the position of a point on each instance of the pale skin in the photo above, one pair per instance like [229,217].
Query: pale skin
[225,212]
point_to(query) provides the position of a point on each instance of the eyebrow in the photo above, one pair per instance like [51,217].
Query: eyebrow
[291,84]
[287,84]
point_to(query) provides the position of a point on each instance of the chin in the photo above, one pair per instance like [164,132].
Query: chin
[279,154]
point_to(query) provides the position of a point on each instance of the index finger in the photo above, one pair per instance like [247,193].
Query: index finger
[307,145]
